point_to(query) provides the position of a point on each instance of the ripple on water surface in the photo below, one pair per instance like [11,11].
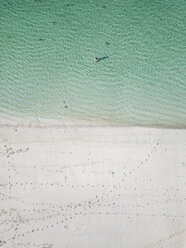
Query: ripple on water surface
[47,66]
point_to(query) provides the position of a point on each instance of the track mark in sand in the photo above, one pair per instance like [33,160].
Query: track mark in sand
[159,242]
[48,215]
[7,150]
[148,156]
[43,212]
[142,163]
[183,164]
[2,242]
[76,202]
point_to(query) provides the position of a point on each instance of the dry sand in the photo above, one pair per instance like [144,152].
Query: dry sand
[92,187]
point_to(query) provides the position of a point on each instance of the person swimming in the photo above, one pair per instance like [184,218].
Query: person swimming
[96,59]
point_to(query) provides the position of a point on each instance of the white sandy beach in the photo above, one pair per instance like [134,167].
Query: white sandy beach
[92,187]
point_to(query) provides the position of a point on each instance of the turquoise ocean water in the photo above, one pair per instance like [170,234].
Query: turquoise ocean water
[47,68]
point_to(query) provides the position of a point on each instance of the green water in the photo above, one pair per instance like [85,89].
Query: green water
[47,67]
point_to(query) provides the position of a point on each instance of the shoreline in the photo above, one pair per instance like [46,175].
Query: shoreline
[54,123]
[87,185]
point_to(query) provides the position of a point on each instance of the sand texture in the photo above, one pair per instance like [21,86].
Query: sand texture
[92,187]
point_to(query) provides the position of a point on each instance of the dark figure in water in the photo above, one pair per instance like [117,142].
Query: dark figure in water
[96,59]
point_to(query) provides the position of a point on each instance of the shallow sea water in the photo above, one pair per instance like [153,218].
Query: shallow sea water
[47,68]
